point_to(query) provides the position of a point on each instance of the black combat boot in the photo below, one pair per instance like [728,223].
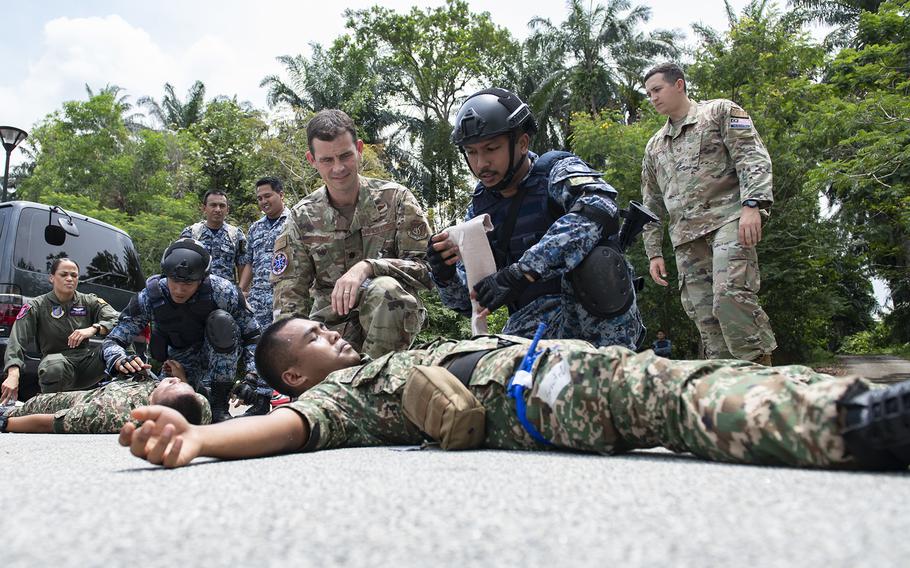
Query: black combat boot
[877,425]
[219,401]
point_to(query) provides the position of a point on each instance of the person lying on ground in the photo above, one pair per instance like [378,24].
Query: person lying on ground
[607,400]
[105,409]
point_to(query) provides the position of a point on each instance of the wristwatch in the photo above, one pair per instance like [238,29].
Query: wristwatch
[753,203]
[98,328]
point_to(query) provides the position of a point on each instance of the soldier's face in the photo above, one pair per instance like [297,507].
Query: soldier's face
[215,209]
[338,162]
[489,159]
[317,351]
[666,97]
[65,279]
[182,291]
[169,387]
[269,201]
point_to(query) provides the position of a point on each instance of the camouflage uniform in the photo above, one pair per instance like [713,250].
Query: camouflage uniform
[566,243]
[50,322]
[261,241]
[698,174]
[318,246]
[227,246]
[204,366]
[98,411]
[604,400]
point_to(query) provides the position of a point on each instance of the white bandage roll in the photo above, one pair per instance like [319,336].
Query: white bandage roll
[477,257]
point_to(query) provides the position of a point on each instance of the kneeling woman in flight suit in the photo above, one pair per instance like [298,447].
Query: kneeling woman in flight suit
[61,321]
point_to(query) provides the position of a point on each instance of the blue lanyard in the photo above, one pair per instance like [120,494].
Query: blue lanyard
[522,380]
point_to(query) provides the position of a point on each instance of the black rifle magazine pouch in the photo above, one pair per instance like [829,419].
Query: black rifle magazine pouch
[437,403]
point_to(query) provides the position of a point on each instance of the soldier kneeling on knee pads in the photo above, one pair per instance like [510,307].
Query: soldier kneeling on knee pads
[198,319]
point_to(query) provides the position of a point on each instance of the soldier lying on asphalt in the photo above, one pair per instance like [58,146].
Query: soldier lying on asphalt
[104,410]
[606,400]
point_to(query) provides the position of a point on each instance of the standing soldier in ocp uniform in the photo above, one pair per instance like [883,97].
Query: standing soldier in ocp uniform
[225,242]
[356,246]
[60,322]
[709,172]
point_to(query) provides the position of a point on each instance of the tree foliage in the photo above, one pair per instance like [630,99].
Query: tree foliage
[836,125]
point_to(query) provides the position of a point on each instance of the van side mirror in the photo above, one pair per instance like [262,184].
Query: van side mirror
[54,235]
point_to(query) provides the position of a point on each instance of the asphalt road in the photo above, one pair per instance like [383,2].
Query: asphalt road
[84,501]
[879,368]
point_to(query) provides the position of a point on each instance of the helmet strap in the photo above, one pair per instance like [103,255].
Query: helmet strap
[510,173]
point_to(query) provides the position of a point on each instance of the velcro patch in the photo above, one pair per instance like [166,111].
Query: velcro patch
[419,231]
[281,242]
[279,263]
[737,112]
[740,123]
[23,310]
[78,311]
[378,229]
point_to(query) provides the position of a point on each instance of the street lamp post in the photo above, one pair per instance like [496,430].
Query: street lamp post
[12,136]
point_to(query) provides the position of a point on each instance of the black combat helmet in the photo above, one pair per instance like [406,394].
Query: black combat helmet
[490,113]
[186,260]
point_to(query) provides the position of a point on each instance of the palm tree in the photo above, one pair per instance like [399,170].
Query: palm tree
[602,47]
[174,113]
[132,120]
[347,76]
[842,15]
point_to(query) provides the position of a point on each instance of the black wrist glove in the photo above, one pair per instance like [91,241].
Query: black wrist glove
[245,389]
[502,287]
[441,271]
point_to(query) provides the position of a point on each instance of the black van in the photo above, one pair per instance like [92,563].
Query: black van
[32,236]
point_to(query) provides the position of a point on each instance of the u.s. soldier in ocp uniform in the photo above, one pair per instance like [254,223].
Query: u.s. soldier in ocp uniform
[708,172]
[355,246]
[60,322]
[605,400]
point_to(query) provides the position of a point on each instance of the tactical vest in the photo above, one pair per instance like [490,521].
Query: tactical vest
[180,325]
[535,215]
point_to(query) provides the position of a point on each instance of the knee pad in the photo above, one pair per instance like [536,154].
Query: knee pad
[220,331]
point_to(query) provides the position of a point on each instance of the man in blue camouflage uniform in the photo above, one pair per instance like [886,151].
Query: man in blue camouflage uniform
[224,242]
[562,211]
[260,243]
[255,283]
[202,321]
[578,397]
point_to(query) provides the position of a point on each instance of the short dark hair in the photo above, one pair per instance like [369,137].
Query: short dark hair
[205,198]
[671,72]
[327,125]
[272,182]
[273,355]
[56,264]
[187,404]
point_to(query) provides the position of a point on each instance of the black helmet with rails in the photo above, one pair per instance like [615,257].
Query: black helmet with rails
[186,260]
[490,113]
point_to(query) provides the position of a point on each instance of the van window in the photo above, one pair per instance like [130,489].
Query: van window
[105,257]
[4,221]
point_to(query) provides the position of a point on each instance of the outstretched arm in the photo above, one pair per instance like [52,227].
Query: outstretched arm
[167,439]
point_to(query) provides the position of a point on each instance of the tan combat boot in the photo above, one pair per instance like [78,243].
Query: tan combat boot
[763,359]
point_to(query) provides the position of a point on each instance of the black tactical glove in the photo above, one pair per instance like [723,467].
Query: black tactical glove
[245,389]
[501,288]
[441,271]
